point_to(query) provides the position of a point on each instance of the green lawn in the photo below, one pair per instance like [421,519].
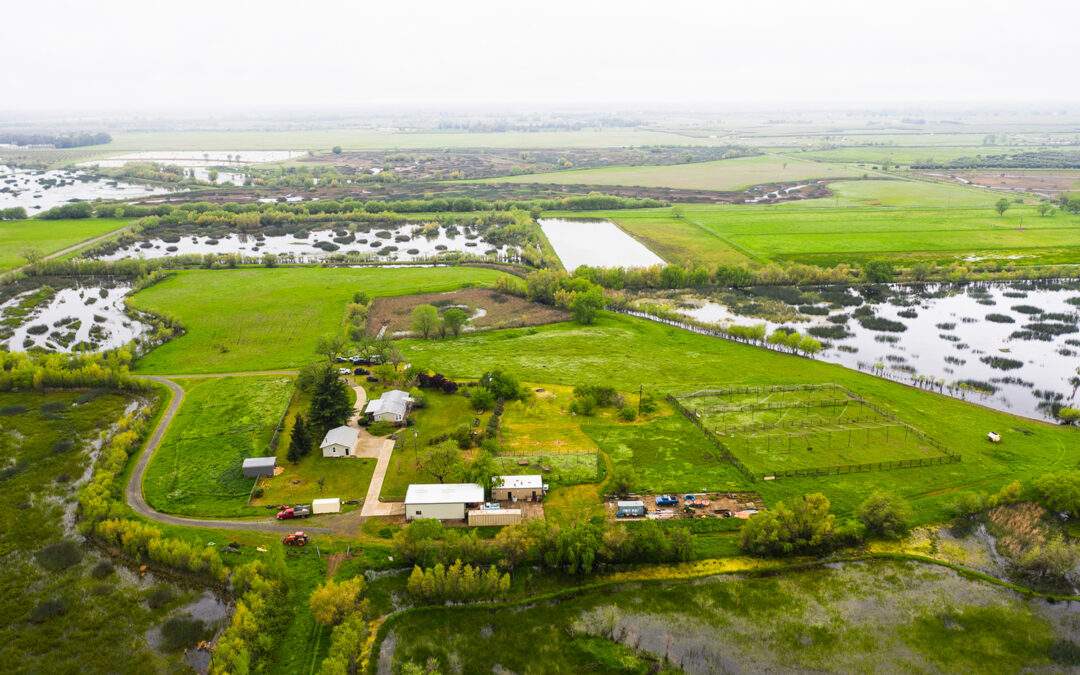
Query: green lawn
[264,319]
[196,470]
[828,232]
[106,618]
[725,174]
[626,352]
[862,617]
[48,236]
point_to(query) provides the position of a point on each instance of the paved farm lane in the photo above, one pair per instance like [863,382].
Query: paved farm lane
[133,490]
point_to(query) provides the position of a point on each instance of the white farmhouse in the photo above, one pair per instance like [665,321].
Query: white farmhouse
[444,501]
[393,407]
[340,442]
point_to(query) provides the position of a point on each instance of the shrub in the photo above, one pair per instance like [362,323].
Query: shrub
[885,513]
[159,597]
[59,555]
[102,569]
[1000,318]
[10,410]
[180,632]
[628,414]
[47,609]
[881,324]
[804,527]
[482,399]
[1002,363]
[1060,491]
[380,428]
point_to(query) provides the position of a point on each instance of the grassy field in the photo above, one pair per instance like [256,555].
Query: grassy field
[48,236]
[106,617]
[196,471]
[905,153]
[863,617]
[828,232]
[264,319]
[666,359]
[725,174]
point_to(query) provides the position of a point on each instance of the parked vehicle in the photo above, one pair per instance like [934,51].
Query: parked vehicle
[667,500]
[294,512]
[295,539]
[343,371]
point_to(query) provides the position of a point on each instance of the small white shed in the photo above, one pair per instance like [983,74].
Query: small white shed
[340,442]
[328,505]
[443,501]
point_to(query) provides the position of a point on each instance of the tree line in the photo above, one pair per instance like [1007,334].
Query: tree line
[57,140]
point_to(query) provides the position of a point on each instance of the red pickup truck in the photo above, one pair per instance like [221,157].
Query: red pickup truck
[287,512]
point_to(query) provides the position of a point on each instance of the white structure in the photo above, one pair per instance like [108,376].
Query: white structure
[340,442]
[447,501]
[392,406]
[526,488]
[329,505]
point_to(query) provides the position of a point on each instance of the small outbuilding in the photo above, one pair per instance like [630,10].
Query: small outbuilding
[340,442]
[257,467]
[328,505]
[630,510]
[393,407]
[525,488]
[442,501]
[481,517]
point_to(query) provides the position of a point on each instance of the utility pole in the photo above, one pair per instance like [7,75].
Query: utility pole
[416,452]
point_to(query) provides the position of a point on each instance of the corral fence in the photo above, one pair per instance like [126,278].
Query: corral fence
[947,456]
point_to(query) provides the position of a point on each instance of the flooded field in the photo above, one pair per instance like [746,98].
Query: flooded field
[401,243]
[197,158]
[38,191]
[597,243]
[1012,347]
[85,317]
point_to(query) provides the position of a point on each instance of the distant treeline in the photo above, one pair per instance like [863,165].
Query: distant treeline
[56,140]
[1043,159]
[344,209]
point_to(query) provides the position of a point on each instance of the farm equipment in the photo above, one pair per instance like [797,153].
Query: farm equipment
[288,512]
[295,539]
[667,500]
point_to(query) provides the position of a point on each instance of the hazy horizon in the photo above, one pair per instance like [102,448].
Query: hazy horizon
[128,58]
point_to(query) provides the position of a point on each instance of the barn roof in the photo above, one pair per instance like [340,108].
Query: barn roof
[341,436]
[444,493]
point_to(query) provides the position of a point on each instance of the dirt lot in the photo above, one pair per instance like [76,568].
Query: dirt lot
[708,505]
[488,310]
[1048,183]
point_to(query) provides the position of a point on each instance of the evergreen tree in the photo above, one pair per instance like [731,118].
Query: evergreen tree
[330,405]
[299,440]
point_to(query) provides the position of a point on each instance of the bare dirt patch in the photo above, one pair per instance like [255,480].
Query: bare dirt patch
[1045,183]
[488,310]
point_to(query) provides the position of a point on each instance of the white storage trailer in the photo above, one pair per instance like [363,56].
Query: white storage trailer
[330,505]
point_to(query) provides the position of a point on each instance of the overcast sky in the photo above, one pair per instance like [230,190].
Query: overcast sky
[145,55]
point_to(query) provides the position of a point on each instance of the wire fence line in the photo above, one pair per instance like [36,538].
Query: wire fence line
[884,421]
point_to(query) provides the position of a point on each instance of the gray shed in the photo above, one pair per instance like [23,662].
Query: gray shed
[630,509]
[259,466]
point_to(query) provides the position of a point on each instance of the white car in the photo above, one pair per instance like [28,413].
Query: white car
[343,371]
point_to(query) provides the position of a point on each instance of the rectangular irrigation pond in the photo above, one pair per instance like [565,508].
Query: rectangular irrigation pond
[595,242]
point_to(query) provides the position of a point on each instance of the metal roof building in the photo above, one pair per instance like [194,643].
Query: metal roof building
[444,501]
[255,467]
[339,442]
[392,406]
[529,487]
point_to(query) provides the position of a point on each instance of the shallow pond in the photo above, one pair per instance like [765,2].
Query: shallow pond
[197,158]
[87,317]
[942,332]
[417,246]
[598,243]
[41,190]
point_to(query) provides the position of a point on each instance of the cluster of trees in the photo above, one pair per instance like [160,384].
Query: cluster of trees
[56,140]
[1026,159]
[807,344]
[330,407]
[582,298]
[574,549]
[72,211]
[457,583]
[81,370]
[142,541]
[806,526]
[427,323]
[262,587]
[13,213]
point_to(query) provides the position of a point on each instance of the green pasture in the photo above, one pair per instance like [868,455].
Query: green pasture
[855,617]
[44,448]
[48,236]
[626,352]
[828,232]
[905,152]
[724,174]
[265,319]
[196,470]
